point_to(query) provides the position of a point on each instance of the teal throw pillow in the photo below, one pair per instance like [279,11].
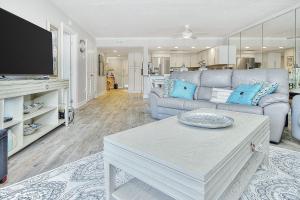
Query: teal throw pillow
[244,94]
[183,90]
[267,88]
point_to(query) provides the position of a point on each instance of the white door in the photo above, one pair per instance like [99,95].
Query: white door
[66,70]
[131,79]
[138,72]
[66,65]
[90,76]
[135,79]
[138,79]
[125,73]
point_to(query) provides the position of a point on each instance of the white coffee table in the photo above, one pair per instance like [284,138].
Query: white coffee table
[188,163]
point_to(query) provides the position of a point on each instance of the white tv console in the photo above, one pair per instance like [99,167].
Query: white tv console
[14,94]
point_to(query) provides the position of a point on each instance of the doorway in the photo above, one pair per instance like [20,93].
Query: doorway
[90,74]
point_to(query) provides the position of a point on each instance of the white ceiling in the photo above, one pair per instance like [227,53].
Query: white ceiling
[164,18]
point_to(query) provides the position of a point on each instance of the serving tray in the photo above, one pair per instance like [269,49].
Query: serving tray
[205,120]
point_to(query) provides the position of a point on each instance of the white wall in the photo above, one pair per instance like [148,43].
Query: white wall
[39,12]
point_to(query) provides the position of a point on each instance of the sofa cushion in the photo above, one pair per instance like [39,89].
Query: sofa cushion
[281,77]
[248,77]
[244,94]
[168,86]
[220,95]
[241,108]
[158,91]
[191,76]
[267,88]
[203,93]
[169,111]
[193,105]
[216,78]
[184,90]
[273,98]
[171,103]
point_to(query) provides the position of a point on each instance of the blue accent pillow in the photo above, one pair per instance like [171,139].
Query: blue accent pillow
[244,94]
[183,90]
[267,88]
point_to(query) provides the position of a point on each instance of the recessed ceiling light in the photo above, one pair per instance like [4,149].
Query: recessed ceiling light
[158,47]
[247,47]
[193,47]
[207,47]
[264,47]
[119,55]
[115,51]
[176,47]
[280,47]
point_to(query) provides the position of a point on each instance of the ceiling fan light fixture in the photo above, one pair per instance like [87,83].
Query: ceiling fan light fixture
[187,35]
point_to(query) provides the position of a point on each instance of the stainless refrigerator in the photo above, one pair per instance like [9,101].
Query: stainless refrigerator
[160,65]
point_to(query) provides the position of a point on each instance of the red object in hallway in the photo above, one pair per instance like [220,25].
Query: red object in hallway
[3,180]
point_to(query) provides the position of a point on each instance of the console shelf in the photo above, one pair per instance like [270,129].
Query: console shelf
[11,123]
[53,94]
[41,111]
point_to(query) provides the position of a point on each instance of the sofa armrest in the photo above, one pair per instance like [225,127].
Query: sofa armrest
[158,92]
[273,98]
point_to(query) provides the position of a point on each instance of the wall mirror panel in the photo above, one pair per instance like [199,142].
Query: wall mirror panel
[279,42]
[251,48]
[235,40]
[297,54]
[272,44]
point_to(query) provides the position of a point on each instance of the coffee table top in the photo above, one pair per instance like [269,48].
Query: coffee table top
[193,151]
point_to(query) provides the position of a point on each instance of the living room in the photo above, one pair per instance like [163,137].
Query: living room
[138,100]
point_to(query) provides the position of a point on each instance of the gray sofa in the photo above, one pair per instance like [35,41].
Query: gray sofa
[275,105]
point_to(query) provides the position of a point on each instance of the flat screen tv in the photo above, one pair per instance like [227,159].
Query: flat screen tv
[25,49]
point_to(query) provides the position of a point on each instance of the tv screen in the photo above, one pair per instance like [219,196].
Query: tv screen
[25,49]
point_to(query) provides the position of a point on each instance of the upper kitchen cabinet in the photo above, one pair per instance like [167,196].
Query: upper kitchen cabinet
[203,56]
[187,60]
[195,60]
[221,55]
[225,55]
[172,61]
[176,60]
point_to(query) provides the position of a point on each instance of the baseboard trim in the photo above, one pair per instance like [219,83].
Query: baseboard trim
[80,104]
[101,93]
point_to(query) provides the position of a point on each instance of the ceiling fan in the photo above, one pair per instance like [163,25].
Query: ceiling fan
[188,33]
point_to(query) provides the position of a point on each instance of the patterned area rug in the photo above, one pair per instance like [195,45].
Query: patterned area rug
[84,180]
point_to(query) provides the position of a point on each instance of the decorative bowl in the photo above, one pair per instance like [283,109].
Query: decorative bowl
[205,120]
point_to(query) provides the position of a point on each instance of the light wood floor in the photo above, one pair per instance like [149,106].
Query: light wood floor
[111,113]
